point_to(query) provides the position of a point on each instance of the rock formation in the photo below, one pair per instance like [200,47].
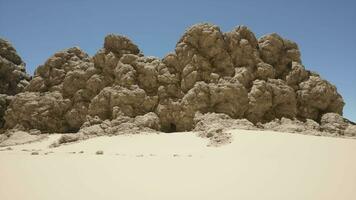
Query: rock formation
[13,77]
[231,73]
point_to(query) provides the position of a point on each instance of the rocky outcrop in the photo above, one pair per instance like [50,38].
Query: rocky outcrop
[334,123]
[233,74]
[3,105]
[13,77]
[317,97]
[42,111]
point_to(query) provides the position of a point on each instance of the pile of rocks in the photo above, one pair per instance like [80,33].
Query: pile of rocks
[231,73]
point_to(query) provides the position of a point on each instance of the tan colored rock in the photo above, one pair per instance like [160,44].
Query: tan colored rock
[149,120]
[13,77]
[270,100]
[120,45]
[283,98]
[200,52]
[293,126]
[119,91]
[265,71]
[242,47]
[243,75]
[3,107]
[42,111]
[333,123]
[208,121]
[278,52]
[228,98]
[132,102]
[260,101]
[297,75]
[350,130]
[51,75]
[316,97]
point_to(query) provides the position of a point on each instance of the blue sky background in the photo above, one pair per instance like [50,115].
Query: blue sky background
[324,30]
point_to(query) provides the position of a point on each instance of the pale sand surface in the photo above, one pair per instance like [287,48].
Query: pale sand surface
[256,165]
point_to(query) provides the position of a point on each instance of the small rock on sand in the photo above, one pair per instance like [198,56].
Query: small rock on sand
[100,152]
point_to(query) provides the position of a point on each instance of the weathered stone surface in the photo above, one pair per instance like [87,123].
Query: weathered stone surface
[232,74]
[120,45]
[260,101]
[242,46]
[216,126]
[65,72]
[208,121]
[316,97]
[13,77]
[278,52]
[149,120]
[270,100]
[42,111]
[293,126]
[3,106]
[350,130]
[333,123]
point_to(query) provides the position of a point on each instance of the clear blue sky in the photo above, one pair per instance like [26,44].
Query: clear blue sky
[324,30]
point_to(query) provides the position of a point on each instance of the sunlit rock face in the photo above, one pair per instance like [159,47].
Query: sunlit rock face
[210,71]
[13,77]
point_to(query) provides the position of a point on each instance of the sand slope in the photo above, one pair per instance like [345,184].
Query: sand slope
[257,165]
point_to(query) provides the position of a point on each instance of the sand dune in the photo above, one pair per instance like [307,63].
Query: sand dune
[256,165]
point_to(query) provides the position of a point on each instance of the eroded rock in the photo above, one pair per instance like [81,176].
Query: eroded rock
[316,97]
[42,111]
[13,77]
[333,123]
[118,90]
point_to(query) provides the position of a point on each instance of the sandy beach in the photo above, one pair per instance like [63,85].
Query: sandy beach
[256,165]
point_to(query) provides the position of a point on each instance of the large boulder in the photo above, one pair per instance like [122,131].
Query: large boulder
[278,52]
[316,97]
[68,75]
[61,70]
[242,46]
[200,52]
[260,101]
[42,111]
[334,123]
[271,99]
[132,102]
